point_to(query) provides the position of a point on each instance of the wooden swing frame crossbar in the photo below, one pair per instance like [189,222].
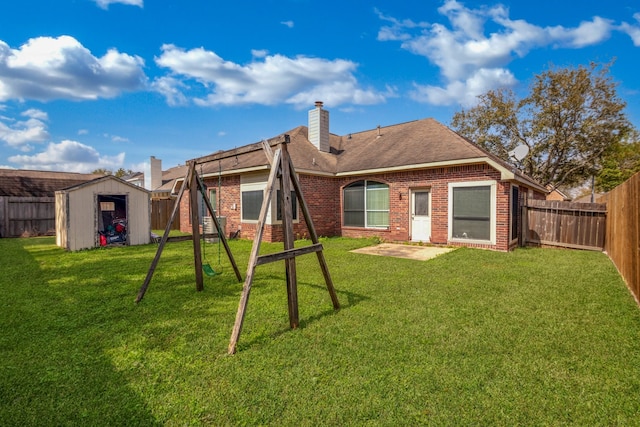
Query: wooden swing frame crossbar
[281,168]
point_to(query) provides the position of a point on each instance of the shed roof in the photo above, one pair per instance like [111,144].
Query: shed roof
[101,179]
[32,183]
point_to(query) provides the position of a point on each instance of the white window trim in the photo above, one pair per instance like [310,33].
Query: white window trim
[261,186]
[492,232]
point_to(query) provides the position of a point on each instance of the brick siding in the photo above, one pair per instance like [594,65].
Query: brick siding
[323,196]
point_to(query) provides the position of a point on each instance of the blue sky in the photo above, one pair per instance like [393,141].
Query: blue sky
[87,84]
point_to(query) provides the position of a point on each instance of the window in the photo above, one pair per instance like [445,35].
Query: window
[366,204]
[213,200]
[515,218]
[252,188]
[251,204]
[294,206]
[472,211]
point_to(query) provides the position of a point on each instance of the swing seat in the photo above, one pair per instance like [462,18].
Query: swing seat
[208,270]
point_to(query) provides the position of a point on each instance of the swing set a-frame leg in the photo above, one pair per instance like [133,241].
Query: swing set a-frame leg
[163,241]
[282,165]
[191,181]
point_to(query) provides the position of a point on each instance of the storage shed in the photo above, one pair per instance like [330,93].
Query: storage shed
[105,211]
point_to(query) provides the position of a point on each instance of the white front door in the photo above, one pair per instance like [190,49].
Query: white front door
[420,216]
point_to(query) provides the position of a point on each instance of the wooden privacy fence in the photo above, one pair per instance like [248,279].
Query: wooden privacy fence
[161,214]
[623,231]
[27,216]
[565,224]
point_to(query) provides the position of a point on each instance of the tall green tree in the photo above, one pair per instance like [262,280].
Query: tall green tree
[102,171]
[571,121]
[619,165]
[119,173]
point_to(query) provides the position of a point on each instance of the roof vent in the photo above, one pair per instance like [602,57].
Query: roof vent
[319,127]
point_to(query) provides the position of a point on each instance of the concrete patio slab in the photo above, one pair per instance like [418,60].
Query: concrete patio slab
[421,253]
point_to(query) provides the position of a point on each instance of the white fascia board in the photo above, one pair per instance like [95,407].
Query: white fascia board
[225,173]
[505,173]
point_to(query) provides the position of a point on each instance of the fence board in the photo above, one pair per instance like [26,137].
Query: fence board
[161,214]
[622,243]
[28,216]
[565,224]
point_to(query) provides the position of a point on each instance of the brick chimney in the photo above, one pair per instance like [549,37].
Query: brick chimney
[319,127]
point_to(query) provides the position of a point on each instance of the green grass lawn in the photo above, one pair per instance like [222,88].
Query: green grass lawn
[533,337]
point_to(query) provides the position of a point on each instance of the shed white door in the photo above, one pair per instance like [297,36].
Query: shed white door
[420,216]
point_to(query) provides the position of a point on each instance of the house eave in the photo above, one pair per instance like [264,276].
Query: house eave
[446,163]
[176,183]
[505,173]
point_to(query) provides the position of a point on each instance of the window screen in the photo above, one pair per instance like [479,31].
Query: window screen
[251,204]
[366,204]
[472,213]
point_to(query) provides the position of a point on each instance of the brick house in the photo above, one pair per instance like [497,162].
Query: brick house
[415,181]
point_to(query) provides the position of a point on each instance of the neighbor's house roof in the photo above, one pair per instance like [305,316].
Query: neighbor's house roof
[417,144]
[169,178]
[31,183]
[557,194]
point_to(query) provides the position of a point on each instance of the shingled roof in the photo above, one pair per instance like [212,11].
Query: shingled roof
[409,145]
[31,183]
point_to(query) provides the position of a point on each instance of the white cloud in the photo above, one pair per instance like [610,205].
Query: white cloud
[398,27]
[287,23]
[47,68]
[268,80]
[69,156]
[464,93]
[259,53]
[632,31]
[36,114]
[586,34]
[116,138]
[170,88]
[20,134]
[138,167]
[470,57]
[104,4]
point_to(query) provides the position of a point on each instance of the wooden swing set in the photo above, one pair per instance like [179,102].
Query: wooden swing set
[282,169]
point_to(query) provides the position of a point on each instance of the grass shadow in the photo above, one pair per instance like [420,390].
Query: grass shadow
[352,299]
[51,361]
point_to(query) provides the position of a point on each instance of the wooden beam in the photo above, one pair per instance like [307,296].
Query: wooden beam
[255,250]
[267,150]
[289,239]
[565,245]
[287,254]
[280,139]
[282,166]
[314,237]
[195,226]
[163,241]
